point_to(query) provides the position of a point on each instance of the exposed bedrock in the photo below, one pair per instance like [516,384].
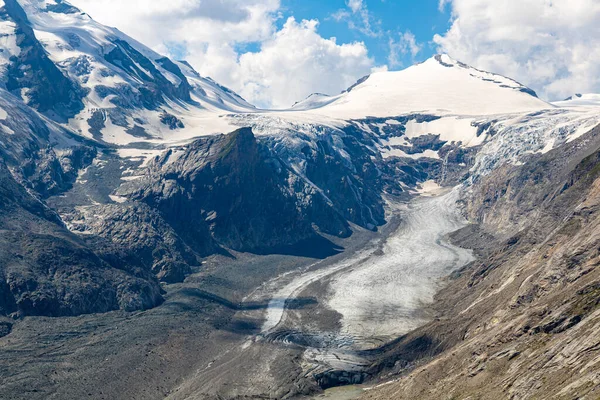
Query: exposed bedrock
[528,311]
[231,192]
[46,270]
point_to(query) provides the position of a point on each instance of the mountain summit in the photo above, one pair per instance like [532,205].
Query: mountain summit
[98,81]
[440,85]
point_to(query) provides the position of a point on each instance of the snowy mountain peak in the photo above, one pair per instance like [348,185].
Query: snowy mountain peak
[580,100]
[439,86]
[53,6]
[99,82]
[313,101]
[446,60]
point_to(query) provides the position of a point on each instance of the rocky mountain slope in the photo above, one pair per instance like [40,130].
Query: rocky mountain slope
[124,173]
[46,270]
[523,321]
[89,92]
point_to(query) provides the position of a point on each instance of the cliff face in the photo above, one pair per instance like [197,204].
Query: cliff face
[32,71]
[524,322]
[231,192]
[46,270]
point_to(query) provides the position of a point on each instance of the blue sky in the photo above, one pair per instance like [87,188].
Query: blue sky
[421,17]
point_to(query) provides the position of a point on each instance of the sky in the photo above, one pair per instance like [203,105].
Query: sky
[277,52]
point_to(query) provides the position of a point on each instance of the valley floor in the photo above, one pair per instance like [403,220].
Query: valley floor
[223,334]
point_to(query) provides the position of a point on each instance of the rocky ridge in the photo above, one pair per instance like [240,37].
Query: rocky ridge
[523,321]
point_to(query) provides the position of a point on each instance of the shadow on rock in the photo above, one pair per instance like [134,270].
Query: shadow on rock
[294,304]
[316,247]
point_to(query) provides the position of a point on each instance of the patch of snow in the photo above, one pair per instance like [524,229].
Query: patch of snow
[401,154]
[116,134]
[430,188]
[118,199]
[145,156]
[450,129]
[8,130]
[397,141]
[25,95]
[131,178]
[8,43]
[549,146]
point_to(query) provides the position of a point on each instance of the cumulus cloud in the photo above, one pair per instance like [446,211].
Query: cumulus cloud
[551,46]
[152,20]
[284,66]
[404,45]
[297,61]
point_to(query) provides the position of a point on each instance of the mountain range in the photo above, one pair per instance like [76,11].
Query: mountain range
[125,173]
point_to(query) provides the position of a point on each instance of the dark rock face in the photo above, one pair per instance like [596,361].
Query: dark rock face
[49,174]
[360,81]
[61,7]
[330,379]
[97,122]
[155,84]
[139,132]
[230,191]
[353,184]
[171,121]
[46,270]
[123,95]
[47,87]
[184,88]
[5,329]
[422,143]
[142,233]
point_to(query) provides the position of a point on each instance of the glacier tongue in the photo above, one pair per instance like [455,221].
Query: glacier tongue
[382,296]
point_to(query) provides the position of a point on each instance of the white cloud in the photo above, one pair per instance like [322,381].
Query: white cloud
[551,46]
[406,43]
[442,5]
[341,15]
[191,20]
[355,5]
[287,65]
[297,62]
[359,18]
